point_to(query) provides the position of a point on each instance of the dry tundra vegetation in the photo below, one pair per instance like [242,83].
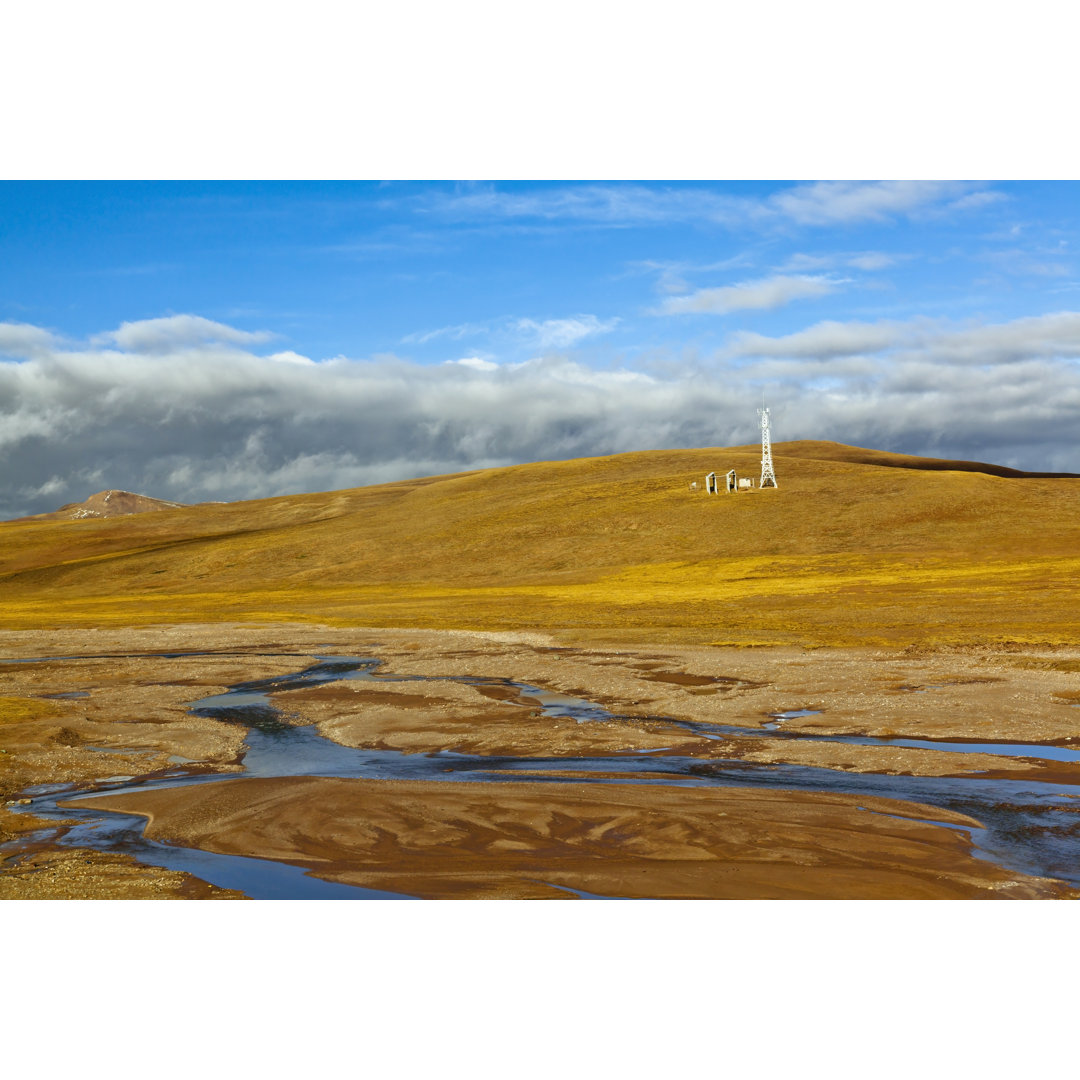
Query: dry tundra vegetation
[854,548]
[865,575]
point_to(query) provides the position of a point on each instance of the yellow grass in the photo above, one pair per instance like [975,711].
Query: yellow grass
[844,552]
[15,710]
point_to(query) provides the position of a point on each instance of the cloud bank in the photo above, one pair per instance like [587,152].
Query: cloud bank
[192,411]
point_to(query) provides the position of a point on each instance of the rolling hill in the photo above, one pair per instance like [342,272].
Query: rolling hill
[855,547]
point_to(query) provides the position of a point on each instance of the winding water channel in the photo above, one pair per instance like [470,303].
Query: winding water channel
[1026,825]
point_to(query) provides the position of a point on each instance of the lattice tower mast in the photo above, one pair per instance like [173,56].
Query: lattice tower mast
[768,477]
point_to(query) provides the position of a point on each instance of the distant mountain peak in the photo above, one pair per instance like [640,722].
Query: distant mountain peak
[107,504]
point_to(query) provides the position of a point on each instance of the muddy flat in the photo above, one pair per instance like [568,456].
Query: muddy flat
[705,772]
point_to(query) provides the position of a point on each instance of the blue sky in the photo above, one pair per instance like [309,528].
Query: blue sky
[231,340]
[361,269]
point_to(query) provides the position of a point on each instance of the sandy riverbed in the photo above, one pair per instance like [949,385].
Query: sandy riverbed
[136,708]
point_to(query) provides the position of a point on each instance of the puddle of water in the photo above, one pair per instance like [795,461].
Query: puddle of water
[581,894]
[922,821]
[552,704]
[1039,751]
[46,789]
[231,699]
[792,714]
[263,879]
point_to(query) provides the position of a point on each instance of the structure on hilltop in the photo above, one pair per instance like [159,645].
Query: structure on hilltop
[768,476]
[734,483]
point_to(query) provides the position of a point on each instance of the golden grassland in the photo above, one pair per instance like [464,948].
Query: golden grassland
[854,547]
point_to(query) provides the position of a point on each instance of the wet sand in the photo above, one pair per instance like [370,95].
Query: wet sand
[134,722]
[518,840]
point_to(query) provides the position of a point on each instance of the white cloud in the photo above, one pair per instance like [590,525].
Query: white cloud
[1034,263]
[477,363]
[546,334]
[562,333]
[53,486]
[837,202]
[455,333]
[771,292]
[800,263]
[1054,336]
[824,339]
[811,204]
[598,203]
[23,340]
[672,275]
[176,331]
[860,260]
[290,357]
[978,199]
[872,260]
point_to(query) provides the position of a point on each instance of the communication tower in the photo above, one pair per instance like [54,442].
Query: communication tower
[768,477]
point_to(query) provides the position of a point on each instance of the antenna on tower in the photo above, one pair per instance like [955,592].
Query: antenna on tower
[768,477]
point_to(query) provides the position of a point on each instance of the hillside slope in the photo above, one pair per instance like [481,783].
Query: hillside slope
[830,451]
[854,546]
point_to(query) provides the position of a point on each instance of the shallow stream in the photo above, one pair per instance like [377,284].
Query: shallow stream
[1028,826]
